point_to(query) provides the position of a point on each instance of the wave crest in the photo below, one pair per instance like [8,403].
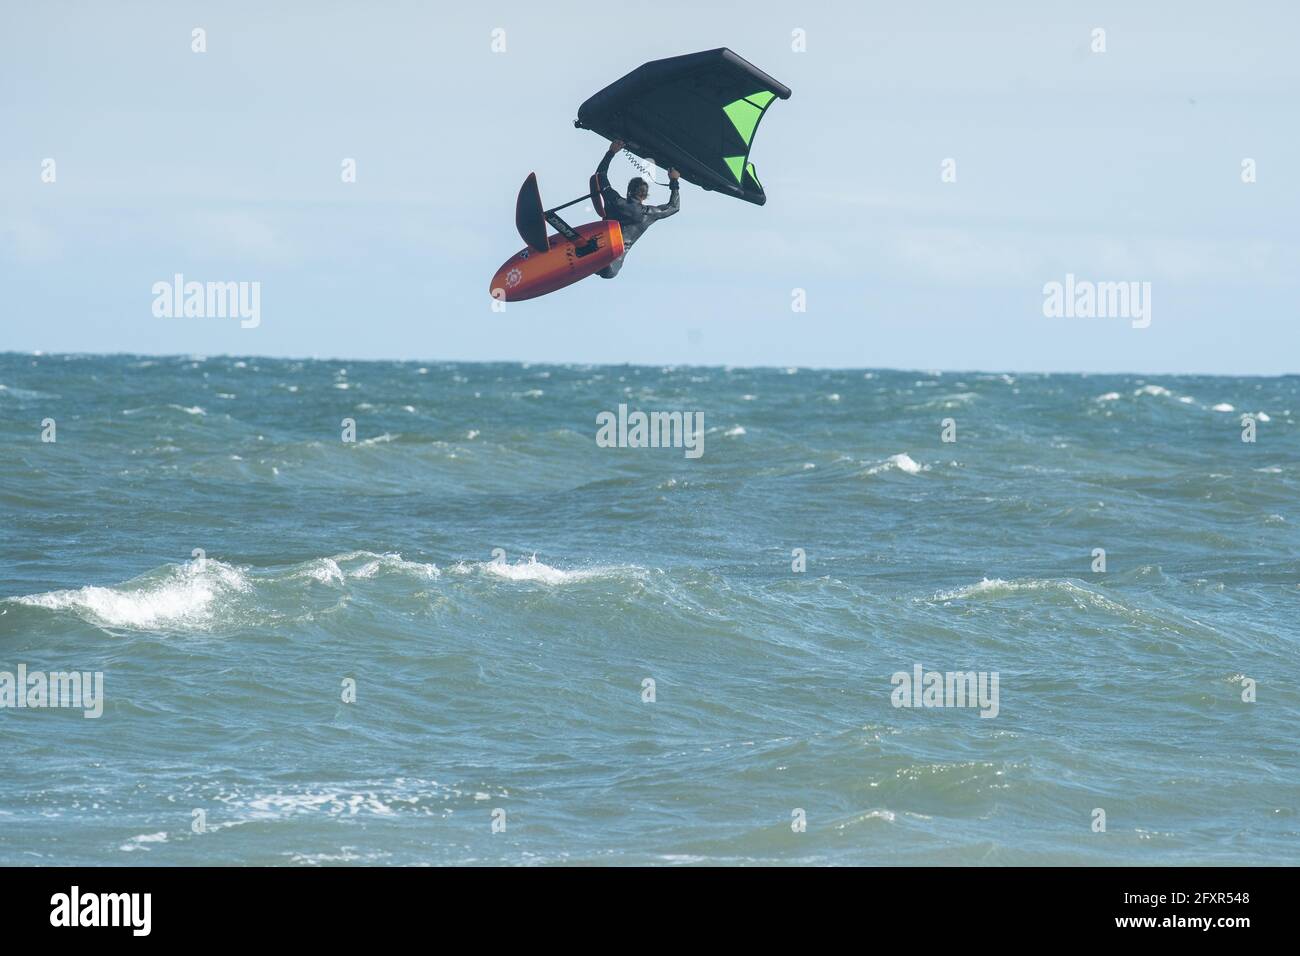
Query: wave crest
[185,595]
[533,570]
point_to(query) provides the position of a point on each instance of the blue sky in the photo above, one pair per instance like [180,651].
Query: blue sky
[1123,165]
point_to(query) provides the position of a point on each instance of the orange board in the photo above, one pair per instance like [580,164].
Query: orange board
[529,273]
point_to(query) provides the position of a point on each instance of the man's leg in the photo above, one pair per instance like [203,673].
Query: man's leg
[611,270]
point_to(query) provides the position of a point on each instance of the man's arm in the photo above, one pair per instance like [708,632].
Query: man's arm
[603,168]
[615,205]
[673,204]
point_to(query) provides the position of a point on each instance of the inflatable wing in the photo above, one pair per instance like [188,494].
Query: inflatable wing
[697,112]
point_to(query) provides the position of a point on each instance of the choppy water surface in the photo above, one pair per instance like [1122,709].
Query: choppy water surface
[517,683]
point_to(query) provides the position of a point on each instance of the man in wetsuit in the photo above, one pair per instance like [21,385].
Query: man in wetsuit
[632,213]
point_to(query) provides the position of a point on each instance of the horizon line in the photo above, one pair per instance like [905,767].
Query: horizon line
[201,356]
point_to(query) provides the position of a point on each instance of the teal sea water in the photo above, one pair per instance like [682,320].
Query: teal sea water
[513,688]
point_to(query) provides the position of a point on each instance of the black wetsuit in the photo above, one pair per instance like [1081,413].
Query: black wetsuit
[635,217]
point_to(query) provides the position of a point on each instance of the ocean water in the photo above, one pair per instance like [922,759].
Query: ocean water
[501,711]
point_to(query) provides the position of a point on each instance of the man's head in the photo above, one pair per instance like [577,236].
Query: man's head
[637,189]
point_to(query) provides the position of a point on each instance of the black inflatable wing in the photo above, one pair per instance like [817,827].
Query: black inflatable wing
[697,112]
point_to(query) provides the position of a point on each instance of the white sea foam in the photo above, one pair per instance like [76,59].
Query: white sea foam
[377,797]
[902,461]
[181,596]
[390,563]
[956,400]
[994,587]
[274,806]
[1221,407]
[533,570]
[324,570]
[346,854]
[984,587]
[886,815]
[142,841]
[1108,397]
[735,431]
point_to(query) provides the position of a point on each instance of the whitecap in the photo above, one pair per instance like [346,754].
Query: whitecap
[391,562]
[324,570]
[984,587]
[185,595]
[902,461]
[997,586]
[533,570]
[142,841]
[886,815]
